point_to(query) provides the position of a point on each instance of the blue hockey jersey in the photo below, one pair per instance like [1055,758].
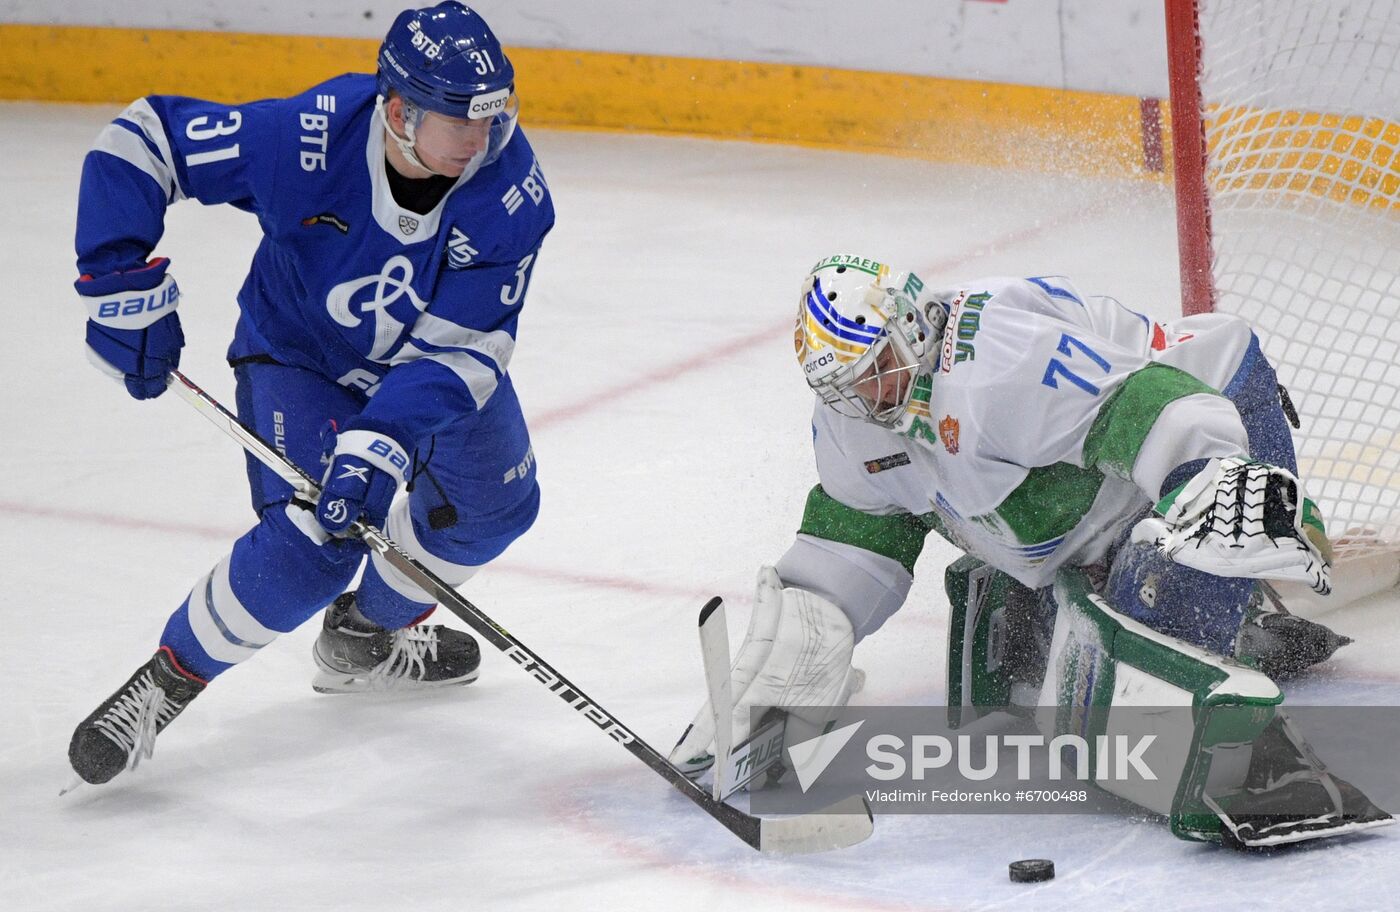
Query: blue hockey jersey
[419,312]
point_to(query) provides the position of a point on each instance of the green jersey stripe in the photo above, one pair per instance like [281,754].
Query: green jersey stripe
[898,536]
[1125,420]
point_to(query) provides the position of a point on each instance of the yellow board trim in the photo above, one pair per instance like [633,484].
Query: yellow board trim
[80,63]
[938,119]
[944,120]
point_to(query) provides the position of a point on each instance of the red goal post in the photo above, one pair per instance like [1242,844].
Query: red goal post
[1285,120]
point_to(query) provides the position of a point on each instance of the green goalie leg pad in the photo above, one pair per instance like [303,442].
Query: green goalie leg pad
[1202,711]
[991,655]
[975,597]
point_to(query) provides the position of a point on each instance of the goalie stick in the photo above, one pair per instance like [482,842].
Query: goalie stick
[735,766]
[714,649]
[842,824]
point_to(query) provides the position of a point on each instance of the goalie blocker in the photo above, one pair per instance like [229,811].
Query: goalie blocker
[1234,769]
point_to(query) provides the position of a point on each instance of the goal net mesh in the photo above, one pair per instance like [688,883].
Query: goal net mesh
[1301,109]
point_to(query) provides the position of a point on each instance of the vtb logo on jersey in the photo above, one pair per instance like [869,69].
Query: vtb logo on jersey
[388,296]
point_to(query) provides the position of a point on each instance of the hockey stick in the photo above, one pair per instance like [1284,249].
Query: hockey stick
[842,824]
[714,650]
[734,767]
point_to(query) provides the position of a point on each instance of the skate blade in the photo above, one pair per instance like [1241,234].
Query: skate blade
[330,682]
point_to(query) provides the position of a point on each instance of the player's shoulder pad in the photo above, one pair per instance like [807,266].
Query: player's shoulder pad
[345,92]
[992,324]
[325,120]
[508,202]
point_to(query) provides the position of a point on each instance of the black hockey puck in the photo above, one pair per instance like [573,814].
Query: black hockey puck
[1032,870]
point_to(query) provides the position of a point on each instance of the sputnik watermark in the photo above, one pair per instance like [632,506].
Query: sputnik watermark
[1119,757]
[1169,760]
[913,759]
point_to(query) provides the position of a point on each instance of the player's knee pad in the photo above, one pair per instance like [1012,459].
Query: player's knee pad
[476,539]
[453,550]
[1200,608]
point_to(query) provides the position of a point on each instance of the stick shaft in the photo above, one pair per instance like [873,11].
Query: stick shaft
[745,826]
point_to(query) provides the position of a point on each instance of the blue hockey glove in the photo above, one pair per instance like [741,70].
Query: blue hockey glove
[366,467]
[133,332]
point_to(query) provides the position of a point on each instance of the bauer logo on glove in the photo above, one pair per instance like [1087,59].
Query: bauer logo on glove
[366,469]
[1243,519]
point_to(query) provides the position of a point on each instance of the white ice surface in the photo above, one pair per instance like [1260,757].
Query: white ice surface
[655,368]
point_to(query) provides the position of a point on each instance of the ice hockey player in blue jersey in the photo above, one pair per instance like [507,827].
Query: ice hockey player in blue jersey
[402,215]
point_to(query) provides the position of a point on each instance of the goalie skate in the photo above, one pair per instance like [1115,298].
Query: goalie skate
[1283,645]
[355,655]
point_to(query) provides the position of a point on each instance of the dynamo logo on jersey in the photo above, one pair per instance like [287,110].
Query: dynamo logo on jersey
[350,302]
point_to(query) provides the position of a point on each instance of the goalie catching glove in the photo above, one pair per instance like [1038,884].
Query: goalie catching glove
[1238,518]
[796,656]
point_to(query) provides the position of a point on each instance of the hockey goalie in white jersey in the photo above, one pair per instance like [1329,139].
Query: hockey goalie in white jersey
[1036,429]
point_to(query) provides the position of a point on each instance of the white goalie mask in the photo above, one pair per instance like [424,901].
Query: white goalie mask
[862,338]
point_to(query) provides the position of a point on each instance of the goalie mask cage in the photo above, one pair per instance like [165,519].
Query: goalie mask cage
[1286,137]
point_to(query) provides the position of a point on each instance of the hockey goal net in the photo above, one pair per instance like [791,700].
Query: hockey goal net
[1286,135]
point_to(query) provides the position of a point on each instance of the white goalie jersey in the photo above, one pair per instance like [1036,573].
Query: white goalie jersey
[1048,422]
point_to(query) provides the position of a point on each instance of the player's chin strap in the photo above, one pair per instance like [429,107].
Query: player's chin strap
[405,145]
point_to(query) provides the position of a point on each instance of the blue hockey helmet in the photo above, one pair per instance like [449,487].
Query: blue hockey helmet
[445,59]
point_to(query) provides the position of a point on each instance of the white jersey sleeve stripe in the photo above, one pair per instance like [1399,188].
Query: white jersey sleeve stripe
[121,143]
[437,332]
[480,380]
[148,122]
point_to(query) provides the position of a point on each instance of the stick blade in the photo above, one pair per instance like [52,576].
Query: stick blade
[837,826]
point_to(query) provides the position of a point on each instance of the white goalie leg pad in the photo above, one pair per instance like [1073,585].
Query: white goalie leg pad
[399,527]
[869,587]
[796,656]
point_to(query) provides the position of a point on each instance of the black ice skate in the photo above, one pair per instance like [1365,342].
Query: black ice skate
[354,654]
[122,731]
